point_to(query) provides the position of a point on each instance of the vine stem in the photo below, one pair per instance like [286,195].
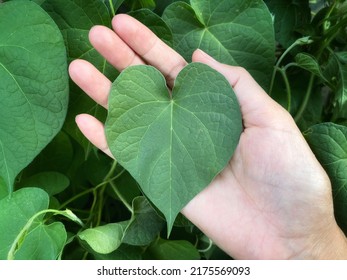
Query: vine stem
[121,197]
[304,103]
[106,180]
[210,244]
[326,43]
[288,88]
[298,42]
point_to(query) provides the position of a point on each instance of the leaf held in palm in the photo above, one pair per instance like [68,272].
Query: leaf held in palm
[173,144]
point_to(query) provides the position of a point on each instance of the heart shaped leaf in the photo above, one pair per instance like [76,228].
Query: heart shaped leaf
[23,234]
[75,18]
[235,32]
[173,144]
[33,87]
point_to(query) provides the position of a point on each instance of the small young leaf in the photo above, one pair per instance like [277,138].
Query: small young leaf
[15,211]
[309,63]
[173,147]
[235,32]
[70,215]
[145,224]
[329,143]
[44,242]
[33,85]
[21,236]
[103,239]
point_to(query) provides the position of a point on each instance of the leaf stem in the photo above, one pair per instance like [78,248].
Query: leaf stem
[304,103]
[100,205]
[112,8]
[301,41]
[106,180]
[210,244]
[325,45]
[121,197]
[288,89]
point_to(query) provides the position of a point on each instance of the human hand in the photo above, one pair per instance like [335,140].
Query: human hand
[273,200]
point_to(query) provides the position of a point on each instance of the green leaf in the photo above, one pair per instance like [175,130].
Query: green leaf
[172,144]
[52,182]
[172,250]
[155,23]
[113,5]
[103,239]
[145,224]
[33,85]
[162,4]
[233,32]
[75,18]
[57,156]
[22,232]
[341,93]
[329,143]
[139,4]
[124,252]
[290,19]
[309,63]
[44,242]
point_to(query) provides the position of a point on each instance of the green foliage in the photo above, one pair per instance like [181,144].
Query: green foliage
[203,24]
[297,51]
[25,234]
[329,143]
[33,88]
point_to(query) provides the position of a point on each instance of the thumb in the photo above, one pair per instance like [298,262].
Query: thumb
[257,107]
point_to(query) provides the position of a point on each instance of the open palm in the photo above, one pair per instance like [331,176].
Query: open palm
[269,201]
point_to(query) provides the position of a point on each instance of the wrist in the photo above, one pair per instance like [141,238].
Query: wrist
[330,244]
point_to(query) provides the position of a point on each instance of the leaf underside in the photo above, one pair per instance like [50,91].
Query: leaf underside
[173,147]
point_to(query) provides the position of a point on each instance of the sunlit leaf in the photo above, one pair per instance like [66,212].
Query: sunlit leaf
[103,239]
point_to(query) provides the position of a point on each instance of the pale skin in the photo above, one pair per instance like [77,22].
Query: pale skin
[273,200]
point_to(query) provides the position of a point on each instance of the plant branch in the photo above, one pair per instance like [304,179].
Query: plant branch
[299,42]
[288,88]
[303,105]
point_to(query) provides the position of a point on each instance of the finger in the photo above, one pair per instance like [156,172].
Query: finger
[90,80]
[257,107]
[113,48]
[148,46]
[94,131]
